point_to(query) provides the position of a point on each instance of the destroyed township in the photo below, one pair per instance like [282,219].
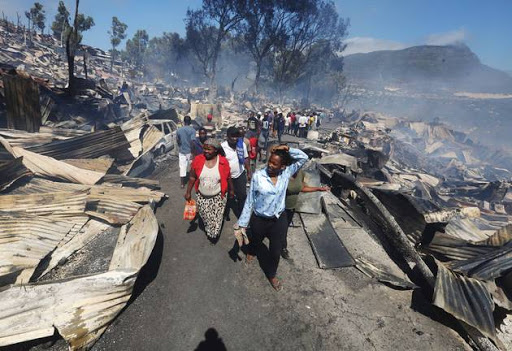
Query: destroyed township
[394,232]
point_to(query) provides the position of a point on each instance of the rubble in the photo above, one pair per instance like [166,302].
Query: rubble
[421,191]
[61,190]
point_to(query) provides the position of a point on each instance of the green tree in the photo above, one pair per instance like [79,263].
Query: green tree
[61,22]
[206,29]
[36,17]
[117,34]
[73,36]
[136,48]
[313,25]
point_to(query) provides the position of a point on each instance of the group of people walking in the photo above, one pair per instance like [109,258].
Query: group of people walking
[219,173]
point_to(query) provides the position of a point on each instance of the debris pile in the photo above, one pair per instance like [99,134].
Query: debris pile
[443,201]
[64,191]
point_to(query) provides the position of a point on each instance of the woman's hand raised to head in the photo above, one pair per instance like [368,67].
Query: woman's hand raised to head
[280,147]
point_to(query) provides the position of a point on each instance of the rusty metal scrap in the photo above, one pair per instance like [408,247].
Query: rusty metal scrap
[25,241]
[62,208]
[92,145]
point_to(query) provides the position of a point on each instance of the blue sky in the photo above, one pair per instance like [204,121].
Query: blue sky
[486,27]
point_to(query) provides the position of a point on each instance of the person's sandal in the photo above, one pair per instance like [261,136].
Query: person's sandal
[276,284]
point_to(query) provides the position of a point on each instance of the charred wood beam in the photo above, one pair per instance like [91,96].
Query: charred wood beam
[477,339]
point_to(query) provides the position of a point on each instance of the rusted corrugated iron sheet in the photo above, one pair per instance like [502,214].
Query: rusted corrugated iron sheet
[466,299]
[48,167]
[92,145]
[44,136]
[65,203]
[81,308]
[114,211]
[139,195]
[501,237]
[130,181]
[11,171]
[25,241]
[92,164]
[74,242]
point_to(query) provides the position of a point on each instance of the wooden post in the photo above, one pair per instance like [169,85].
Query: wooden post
[22,102]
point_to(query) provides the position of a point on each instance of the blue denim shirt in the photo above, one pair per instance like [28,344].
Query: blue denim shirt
[266,199]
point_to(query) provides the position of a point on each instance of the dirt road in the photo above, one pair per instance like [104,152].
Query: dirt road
[193,286]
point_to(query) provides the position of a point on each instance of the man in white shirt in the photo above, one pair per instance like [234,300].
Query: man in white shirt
[238,158]
[303,123]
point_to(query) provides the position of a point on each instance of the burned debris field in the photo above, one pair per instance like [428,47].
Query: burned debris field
[399,236]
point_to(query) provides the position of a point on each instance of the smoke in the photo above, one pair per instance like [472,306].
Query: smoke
[366,44]
[447,38]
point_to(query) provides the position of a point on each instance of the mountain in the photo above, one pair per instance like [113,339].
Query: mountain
[426,67]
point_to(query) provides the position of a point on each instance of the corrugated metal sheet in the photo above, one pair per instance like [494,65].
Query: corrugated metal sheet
[45,135]
[92,145]
[446,248]
[81,308]
[65,203]
[130,181]
[11,171]
[501,237]
[139,195]
[25,241]
[114,211]
[465,229]
[48,167]
[488,266]
[93,164]
[74,241]
[466,299]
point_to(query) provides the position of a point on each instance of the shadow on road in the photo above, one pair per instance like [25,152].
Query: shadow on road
[211,342]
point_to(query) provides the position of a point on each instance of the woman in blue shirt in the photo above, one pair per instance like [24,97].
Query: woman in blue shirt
[265,204]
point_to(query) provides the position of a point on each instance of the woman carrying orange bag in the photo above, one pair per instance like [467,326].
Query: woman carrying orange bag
[210,174]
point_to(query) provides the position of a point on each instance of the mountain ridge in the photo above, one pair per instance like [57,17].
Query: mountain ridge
[452,67]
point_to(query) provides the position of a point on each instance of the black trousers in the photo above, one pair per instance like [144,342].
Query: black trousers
[289,217]
[274,229]
[240,188]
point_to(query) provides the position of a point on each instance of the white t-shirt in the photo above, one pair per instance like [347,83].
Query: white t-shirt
[303,120]
[236,168]
[209,180]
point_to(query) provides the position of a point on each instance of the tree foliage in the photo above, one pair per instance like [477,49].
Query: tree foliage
[313,30]
[117,33]
[61,22]
[136,48]
[36,17]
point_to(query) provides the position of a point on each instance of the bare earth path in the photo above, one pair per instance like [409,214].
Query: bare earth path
[194,286]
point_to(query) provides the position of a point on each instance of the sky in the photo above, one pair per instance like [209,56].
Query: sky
[485,26]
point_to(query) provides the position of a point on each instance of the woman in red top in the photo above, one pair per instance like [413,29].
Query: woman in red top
[210,174]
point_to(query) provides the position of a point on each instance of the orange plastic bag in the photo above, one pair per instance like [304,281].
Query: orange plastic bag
[190,210]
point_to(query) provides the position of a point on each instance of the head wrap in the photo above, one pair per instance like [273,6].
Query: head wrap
[213,142]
